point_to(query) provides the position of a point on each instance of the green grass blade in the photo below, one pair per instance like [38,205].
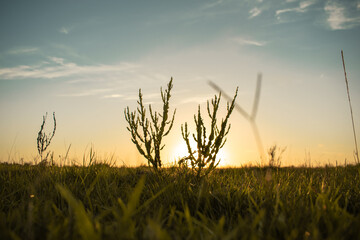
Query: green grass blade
[83,222]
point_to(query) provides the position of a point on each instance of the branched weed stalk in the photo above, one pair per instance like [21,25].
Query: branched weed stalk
[147,134]
[203,159]
[44,140]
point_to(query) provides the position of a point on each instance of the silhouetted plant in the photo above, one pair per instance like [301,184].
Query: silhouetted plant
[147,134]
[203,159]
[275,154]
[44,140]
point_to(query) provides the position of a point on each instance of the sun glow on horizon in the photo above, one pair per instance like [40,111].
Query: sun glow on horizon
[180,151]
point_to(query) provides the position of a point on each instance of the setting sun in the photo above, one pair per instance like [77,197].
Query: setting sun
[180,151]
[88,64]
[207,119]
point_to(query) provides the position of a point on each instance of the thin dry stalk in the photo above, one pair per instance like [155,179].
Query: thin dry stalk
[356,154]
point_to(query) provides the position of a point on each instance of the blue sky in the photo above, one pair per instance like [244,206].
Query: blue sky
[86,60]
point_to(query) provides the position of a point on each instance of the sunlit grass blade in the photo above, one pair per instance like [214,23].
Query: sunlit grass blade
[83,222]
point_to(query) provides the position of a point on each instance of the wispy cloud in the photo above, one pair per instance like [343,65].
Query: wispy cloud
[68,51]
[303,7]
[113,96]
[246,41]
[197,100]
[338,16]
[23,50]
[86,93]
[254,12]
[57,60]
[213,4]
[64,30]
[145,96]
[58,67]
[90,80]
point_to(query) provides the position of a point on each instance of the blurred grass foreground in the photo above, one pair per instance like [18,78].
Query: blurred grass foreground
[102,202]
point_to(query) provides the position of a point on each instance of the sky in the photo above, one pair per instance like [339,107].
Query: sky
[86,60]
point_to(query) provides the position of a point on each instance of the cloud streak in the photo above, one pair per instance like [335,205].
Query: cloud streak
[213,4]
[249,42]
[89,80]
[113,96]
[86,93]
[197,100]
[25,50]
[59,68]
[64,30]
[338,16]
[254,12]
[303,7]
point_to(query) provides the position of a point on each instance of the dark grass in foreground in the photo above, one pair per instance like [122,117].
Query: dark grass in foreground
[100,202]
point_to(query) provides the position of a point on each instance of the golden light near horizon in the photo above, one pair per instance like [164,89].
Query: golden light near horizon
[303,103]
[180,150]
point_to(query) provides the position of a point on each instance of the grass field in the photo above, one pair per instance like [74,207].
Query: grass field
[102,202]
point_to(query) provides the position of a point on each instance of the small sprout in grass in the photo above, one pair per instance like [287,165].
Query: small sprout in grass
[203,159]
[44,140]
[147,134]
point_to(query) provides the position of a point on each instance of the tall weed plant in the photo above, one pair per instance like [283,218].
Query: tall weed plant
[43,140]
[147,133]
[203,159]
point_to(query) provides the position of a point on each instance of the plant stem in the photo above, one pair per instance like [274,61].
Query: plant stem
[351,112]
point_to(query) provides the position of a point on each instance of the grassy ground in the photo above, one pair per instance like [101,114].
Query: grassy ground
[101,202]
